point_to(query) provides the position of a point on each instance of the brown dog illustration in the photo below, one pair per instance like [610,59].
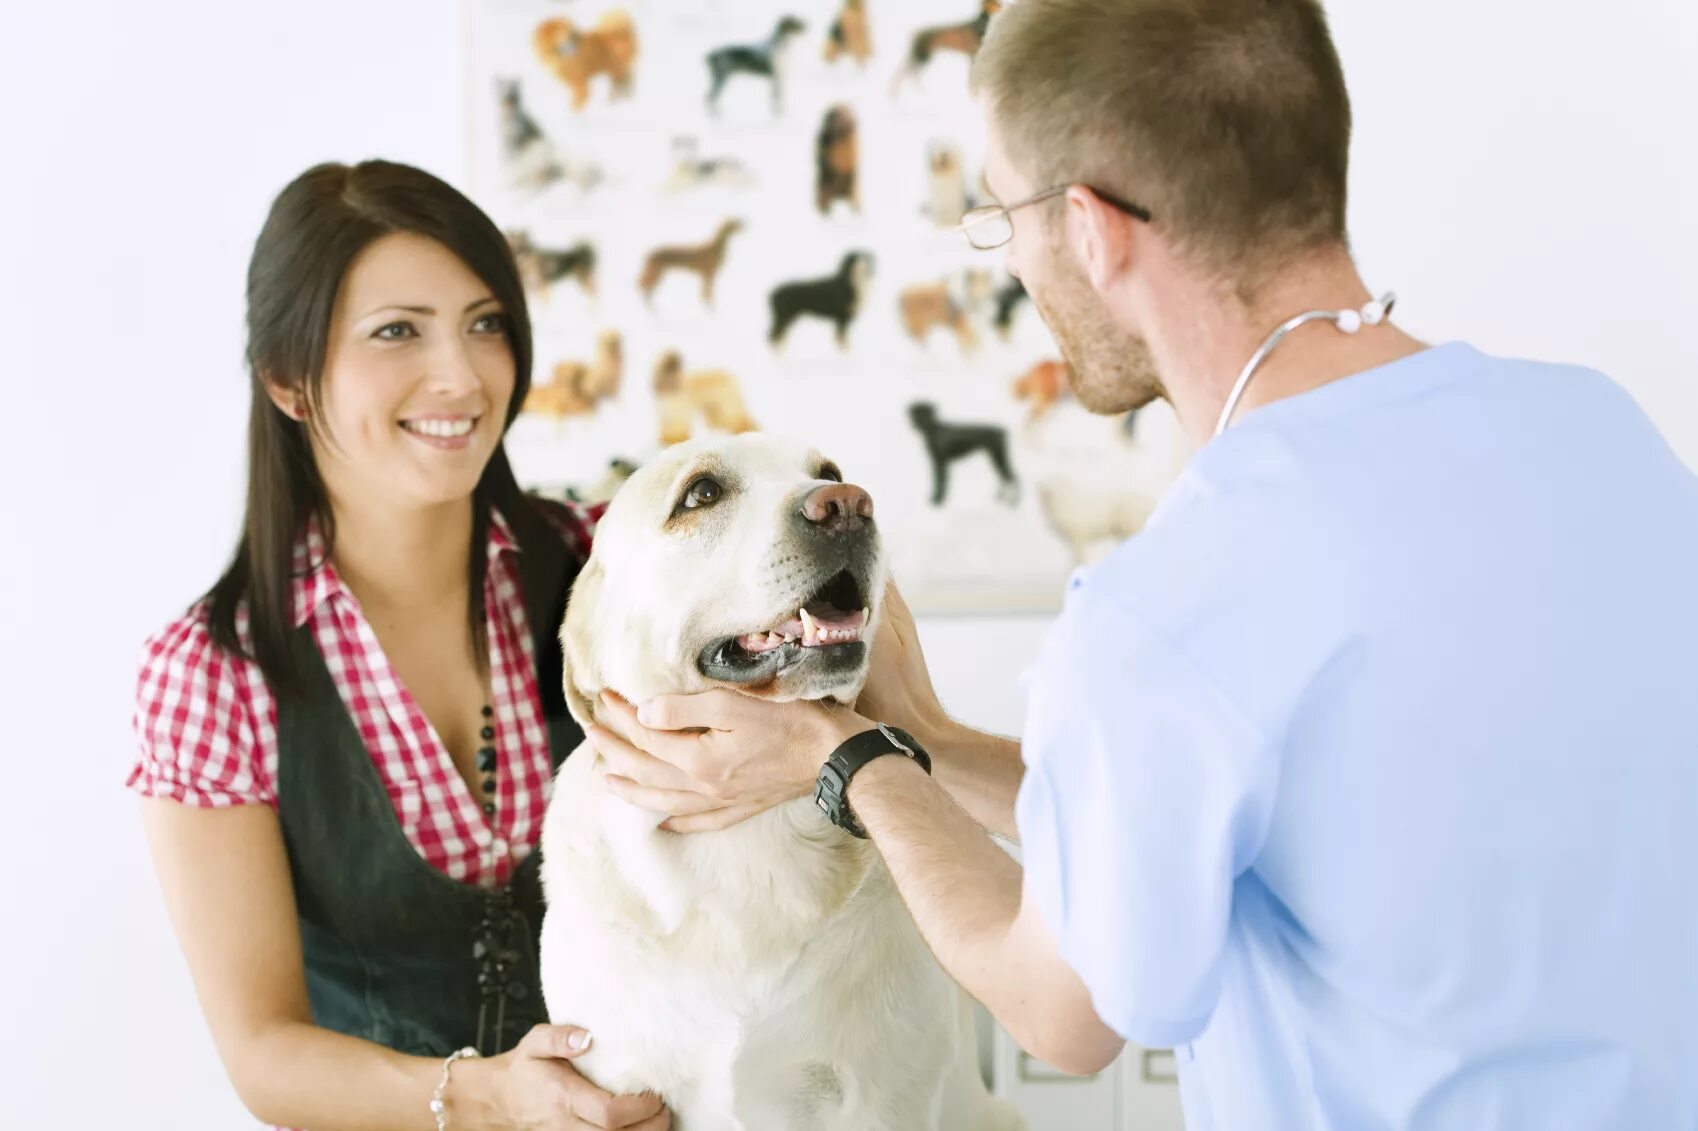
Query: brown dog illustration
[962,37]
[849,34]
[680,397]
[1043,384]
[836,158]
[948,303]
[704,259]
[576,387]
[577,56]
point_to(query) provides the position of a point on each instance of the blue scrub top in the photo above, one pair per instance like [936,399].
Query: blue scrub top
[1367,775]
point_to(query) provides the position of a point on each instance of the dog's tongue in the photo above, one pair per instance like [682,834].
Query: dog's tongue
[813,627]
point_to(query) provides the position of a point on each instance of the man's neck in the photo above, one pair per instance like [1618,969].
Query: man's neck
[415,558]
[1209,338]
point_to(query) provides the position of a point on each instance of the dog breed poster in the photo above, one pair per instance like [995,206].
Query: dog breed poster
[738,216]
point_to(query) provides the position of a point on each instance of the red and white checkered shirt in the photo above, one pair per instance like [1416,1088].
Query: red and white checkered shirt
[206,721]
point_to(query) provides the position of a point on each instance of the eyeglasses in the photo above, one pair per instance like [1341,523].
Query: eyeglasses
[989,225]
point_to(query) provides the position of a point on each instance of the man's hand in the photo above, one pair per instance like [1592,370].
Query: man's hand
[899,687]
[711,760]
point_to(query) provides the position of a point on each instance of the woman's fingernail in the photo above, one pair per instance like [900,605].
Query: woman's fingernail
[579,1040]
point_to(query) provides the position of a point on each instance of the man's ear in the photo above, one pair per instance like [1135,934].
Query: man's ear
[582,675]
[1102,236]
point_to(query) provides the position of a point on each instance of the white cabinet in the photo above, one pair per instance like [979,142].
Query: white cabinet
[1138,1092]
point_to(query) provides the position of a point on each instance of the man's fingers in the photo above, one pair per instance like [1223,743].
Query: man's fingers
[628,761]
[670,802]
[713,819]
[707,710]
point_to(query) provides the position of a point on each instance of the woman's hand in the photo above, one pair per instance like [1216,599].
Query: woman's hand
[535,1088]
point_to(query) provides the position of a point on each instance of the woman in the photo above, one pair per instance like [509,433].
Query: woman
[345,746]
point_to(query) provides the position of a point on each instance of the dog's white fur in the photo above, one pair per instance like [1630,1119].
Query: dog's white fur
[766,977]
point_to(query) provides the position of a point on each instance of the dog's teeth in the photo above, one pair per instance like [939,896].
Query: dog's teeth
[866,614]
[808,626]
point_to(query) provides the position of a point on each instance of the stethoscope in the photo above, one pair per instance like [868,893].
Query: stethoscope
[1348,321]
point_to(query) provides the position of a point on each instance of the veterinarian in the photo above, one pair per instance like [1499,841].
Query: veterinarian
[345,745]
[1366,774]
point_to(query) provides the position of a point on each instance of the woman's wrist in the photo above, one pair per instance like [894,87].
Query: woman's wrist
[470,1096]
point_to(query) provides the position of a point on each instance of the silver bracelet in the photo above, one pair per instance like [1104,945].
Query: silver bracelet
[439,1106]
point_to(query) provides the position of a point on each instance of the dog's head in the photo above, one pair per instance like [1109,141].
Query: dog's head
[857,267]
[668,371]
[508,91]
[787,27]
[923,414]
[739,562]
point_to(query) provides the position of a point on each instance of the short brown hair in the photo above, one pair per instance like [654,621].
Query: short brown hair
[1228,119]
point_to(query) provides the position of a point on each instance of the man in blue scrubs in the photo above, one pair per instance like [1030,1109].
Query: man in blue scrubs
[1367,775]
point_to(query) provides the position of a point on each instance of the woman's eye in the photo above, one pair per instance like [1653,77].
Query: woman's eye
[396,332]
[490,324]
[704,492]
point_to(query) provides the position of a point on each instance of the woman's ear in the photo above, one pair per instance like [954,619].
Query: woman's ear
[289,399]
[581,674]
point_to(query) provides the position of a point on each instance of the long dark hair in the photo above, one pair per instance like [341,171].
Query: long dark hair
[317,225]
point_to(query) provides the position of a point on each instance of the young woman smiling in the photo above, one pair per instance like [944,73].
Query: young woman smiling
[346,745]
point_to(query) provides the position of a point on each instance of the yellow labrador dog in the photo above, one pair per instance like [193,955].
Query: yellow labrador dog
[766,977]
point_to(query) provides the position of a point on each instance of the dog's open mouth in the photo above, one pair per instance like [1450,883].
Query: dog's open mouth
[833,620]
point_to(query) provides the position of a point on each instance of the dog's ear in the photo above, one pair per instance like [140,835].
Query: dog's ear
[582,675]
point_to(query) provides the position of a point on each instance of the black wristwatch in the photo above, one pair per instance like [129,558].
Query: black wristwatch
[832,786]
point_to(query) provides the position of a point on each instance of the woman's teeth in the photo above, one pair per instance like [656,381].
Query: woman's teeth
[447,429]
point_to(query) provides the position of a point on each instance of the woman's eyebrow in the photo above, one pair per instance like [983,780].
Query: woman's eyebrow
[428,310]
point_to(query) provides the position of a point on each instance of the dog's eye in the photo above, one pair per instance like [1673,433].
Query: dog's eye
[703,492]
[830,471]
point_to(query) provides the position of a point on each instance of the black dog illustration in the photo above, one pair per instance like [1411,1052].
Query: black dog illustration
[946,443]
[758,59]
[1009,297]
[836,298]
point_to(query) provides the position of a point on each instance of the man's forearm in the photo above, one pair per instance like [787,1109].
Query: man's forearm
[981,771]
[964,893]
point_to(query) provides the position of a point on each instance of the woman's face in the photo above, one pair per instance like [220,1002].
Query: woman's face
[417,377]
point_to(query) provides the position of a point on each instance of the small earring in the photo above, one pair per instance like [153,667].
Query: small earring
[298,411]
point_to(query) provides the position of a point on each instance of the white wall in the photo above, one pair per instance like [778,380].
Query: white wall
[1523,177]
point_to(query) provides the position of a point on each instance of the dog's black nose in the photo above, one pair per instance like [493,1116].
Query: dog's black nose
[837,505]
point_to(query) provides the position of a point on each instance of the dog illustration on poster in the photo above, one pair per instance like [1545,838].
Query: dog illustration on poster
[835,298]
[947,443]
[705,260]
[711,396]
[947,304]
[927,42]
[849,34]
[836,158]
[759,60]
[576,56]
[576,387]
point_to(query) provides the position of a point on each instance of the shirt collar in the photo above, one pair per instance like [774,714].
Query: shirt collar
[316,579]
